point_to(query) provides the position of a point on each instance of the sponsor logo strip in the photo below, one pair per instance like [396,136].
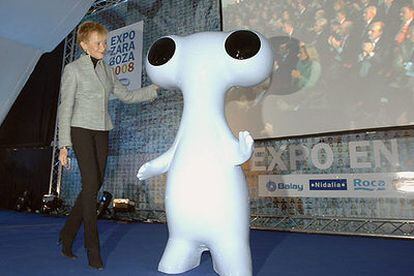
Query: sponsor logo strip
[369,185]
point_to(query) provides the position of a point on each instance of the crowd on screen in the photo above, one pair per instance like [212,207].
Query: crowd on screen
[364,41]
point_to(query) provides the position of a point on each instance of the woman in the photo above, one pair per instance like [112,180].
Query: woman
[84,124]
[308,69]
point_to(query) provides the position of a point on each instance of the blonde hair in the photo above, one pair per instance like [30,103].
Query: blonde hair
[88,27]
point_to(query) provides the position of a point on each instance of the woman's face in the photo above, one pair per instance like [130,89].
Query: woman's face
[95,45]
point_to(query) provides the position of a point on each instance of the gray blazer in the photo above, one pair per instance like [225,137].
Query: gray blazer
[84,96]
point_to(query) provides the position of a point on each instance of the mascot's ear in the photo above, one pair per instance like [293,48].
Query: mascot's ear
[242,44]
[162,63]
[161,51]
[249,58]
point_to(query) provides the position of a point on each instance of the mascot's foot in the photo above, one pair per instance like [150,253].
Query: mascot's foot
[180,256]
[232,258]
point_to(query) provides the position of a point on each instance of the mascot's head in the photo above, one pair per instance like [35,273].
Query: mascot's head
[210,61]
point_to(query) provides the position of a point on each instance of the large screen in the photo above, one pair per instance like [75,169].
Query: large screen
[338,65]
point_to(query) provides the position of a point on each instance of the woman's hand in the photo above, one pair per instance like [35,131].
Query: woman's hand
[295,74]
[63,156]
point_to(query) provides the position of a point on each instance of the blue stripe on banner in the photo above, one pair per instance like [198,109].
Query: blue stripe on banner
[328,184]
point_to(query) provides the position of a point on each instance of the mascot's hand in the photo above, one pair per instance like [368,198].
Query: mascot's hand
[157,166]
[147,170]
[245,146]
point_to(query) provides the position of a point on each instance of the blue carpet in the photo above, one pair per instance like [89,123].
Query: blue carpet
[28,247]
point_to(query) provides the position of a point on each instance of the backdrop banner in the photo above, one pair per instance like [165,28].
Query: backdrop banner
[124,54]
[368,163]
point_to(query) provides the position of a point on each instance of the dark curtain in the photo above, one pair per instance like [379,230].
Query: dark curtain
[31,120]
[27,132]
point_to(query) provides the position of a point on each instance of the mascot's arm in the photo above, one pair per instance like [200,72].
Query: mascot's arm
[159,165]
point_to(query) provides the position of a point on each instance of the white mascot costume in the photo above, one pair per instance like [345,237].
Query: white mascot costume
[207,201]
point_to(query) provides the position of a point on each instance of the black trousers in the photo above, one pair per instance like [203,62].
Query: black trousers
[91,150]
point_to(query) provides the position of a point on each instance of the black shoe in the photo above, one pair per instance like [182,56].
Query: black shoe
[66,249]
[94,259]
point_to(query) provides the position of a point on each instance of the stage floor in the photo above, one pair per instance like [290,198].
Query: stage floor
[28,247]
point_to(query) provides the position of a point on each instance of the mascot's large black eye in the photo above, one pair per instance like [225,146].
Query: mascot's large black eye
[242,44]
[161,51]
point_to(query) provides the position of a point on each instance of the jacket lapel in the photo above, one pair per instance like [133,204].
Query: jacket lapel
[87,63]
